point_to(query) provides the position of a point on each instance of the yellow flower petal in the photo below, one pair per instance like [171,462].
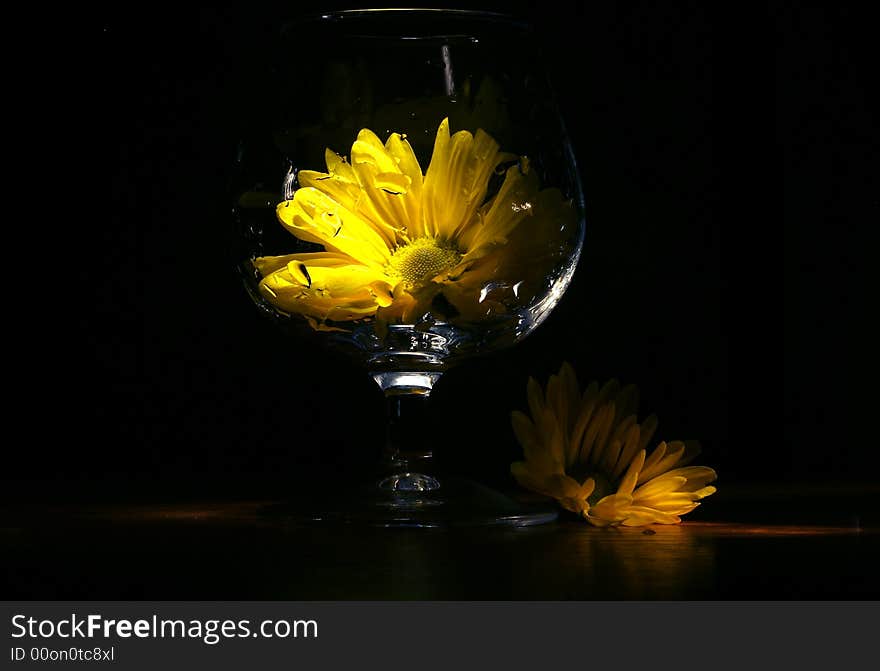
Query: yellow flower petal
[380,203]
[697,476]
[513,204]
[382,293]
[622,426]
[556,399]
[568,492]
[647,429]
[456,180]
[629,451]
[692,449]
[388,189]
[610,455]
[615,441]
[604,422]
[609,391]
[269,264]
[338,166]
[565,486]
[541,241]
[660,485]
[535,397]
[537,456]
[673,504]
[557,447]
[339,293]
[526,477]
[312,215]
[653,459]
[628,483]
[406,306]
[399,148]
[593,434]
[570,385]
[587,488]
[645,489]
[673,453]
[368,148]
[639,516]
[350,195]
[612,509]
[627,400]
[588,406]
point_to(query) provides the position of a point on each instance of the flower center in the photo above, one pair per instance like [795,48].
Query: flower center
[421,260]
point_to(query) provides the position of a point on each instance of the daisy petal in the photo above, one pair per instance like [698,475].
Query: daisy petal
[558,400]
[627,400]
[609,458]
[535,397]
[628,483]
[697,476]
[612,509]
[639,514]
[337,293]
[604,424]
[585,415]
[652,460]
[398,147]
[609,390]
[526,477]
[269,264]
[630,449]
[585,454]
[513,204]
[313,216]
[537,456]
[647,429]
[659,485]
[456,180]
[674,450]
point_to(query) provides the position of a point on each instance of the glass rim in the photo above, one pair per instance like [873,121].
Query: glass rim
[365,22]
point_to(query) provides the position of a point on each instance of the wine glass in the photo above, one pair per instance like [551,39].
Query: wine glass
[406,193]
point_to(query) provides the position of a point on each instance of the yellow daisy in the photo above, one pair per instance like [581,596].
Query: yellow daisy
[395,239]
[588,452]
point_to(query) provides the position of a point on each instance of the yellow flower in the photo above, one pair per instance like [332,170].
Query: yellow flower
[589,453]
[395,240]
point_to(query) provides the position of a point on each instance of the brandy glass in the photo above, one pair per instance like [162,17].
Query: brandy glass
[406,193]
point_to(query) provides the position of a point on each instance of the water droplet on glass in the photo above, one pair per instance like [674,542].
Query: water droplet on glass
[425,322]
[492,287]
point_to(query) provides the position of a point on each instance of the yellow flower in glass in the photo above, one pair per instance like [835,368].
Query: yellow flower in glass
[588,452]
[395,239]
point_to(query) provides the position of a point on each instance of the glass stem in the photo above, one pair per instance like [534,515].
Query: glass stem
[408,447]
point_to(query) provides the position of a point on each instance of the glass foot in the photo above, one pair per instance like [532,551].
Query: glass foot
[409,482]
[457,503]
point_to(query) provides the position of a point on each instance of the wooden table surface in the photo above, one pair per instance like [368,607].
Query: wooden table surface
[750,543]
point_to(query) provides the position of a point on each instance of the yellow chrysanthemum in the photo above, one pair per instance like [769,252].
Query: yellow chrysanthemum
[394,238]
[589,453]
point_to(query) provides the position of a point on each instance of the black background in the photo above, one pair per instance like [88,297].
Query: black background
[718,150]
